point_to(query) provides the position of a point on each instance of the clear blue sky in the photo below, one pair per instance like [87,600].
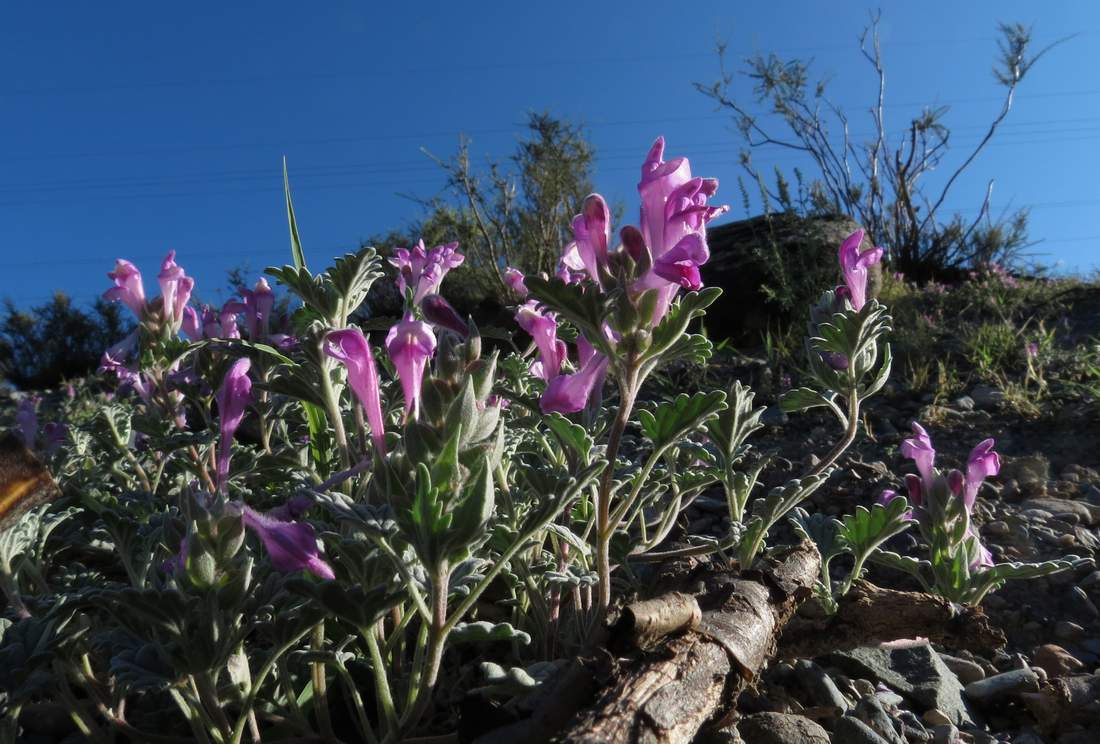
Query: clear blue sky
[130,128]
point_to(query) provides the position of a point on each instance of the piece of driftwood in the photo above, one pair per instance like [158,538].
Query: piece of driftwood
[869,615]
[666,696]
[641,624]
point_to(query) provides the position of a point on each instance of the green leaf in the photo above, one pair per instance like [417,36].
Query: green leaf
[821,529]
[866,529]
[570,435]
[581,304]
[1005,571]
[675,323]
[296,251]
[672,421]
[472,514]
[773,507]
[484,631]
[804,398]
[921,569]
[729,430]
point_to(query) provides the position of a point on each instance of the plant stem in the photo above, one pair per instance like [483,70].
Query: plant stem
[320,684]
[381,679]
[628,391]
[332,407]
[849,434]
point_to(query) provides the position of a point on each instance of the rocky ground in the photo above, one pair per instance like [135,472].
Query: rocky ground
[1044,686]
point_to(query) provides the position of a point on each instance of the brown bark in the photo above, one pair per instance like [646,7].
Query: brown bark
[869,614]
[667,696]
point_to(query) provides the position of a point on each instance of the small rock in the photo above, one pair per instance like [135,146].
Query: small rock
[1055,660]
[996,688]
[964,403]
[781,728]
[935,717]
[1089,514]
[1078,605]
[946,734]
[996,528]
[1093,579]
[966,671]
[849,730]
[986,397]
[1065,630]
[818,685]
[915,671]
[912,727]
[871,711]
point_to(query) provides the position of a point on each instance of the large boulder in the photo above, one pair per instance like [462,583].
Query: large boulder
[771,268]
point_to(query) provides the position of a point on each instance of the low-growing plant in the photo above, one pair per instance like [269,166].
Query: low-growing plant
[288,527]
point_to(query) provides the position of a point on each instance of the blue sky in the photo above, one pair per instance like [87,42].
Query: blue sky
[132,128]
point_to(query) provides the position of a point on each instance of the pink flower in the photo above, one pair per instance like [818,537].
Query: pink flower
[1032,350]
[680,265]
[592,232]
[674,205]
[854,266]
[410,345]
[350,347]
[515,280]
[919,450]
[233,398]
[423,270]
[175,290]
[543,329]
[227,320]
[982,463]
[439,312]
[258,303]
[191,325]
[889,495]
[570,393]
[128,287]
[292,546]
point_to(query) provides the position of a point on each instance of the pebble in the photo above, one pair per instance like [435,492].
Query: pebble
[986,397]
[1055,660]
[964,403]
[996,528]
[819,686]
[1077,604]
[946,734]
[936,717]
[966,671]
[1093,579]
[1068,631]
[849,730]
[871,711]
[781,728]
[999,686]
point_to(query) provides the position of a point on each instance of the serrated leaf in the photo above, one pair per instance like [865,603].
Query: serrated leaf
[672,327]
[581,304]
[821,529]
[866,529]
[484,631]
[671,421]
[803,399]
[571,435]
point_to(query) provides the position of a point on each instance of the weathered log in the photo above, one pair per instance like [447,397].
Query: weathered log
[667,696]
[641,624]
[869,614]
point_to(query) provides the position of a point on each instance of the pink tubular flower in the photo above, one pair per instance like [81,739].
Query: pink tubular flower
[982,463]
[424,269]
[191,325]
[854,266]
[350,347]
[410,345]
[889,495]
[543,329]
[515,280]
[674,205]
[227,319]
[292,546]
[439,312]
[919,450]
[175,290]
[570,393]
[233,398]
[128,287]
[680,265]
[592,232]
[1032,350]
[258,303]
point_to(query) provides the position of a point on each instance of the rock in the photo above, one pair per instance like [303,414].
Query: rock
[1065,630]
[743,261]
[986,397]
[1089,514]
[818,685]
[1078,605]
[916,672]
[781,728]
[849,730]
[935,717]
[992,690]
[871,711]
[964,403]
[1055,660]
[1026,469]
[966,671]
[912,727]
[996,528]
[1093,579]
[945,734]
